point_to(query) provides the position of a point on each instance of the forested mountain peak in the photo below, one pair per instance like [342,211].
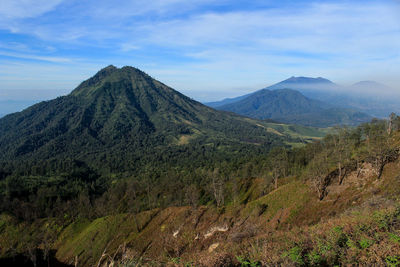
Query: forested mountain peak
[121,115]
[127,76]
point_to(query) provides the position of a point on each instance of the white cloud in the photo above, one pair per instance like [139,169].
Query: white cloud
[318,28]
[315,28]
[36,57]
[14,9]
[15,46]
[211,49]
[122,9]
[126,47]
[344,42]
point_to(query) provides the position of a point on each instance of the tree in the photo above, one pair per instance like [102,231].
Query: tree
[192,195]
[392,117]
[48,239]
[278,158]
[341,150]
[132,189]
[394,123]
[217,187]
[318,170]
[380,148]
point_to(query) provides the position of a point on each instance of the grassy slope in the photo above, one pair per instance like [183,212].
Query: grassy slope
[357,222]
[299,132]
[262,224]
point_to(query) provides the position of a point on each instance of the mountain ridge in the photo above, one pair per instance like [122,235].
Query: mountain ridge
[285,84]
[373,98]
[291,106]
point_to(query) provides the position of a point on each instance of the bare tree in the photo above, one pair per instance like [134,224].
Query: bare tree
[48,240]
[318,172]
[192,195]
[217,187]
[380,146]
[278,163]
[31,245]
[390,123]
[395,120]
[341,150]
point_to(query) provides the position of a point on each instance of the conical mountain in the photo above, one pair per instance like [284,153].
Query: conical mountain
[121,114]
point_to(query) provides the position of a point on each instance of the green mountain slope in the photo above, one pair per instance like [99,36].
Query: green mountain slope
[121,119]
[291,106]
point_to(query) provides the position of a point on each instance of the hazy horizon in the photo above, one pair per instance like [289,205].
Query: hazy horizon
[15,100]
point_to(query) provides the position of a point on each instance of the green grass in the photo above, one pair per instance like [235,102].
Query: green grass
[293,196]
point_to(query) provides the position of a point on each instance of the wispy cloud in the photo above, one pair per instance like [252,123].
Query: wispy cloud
[218,45]
[36,57]
[328,28]
[16,9]
[126,47]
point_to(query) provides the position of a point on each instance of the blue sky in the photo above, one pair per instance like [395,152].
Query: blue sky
[206,49]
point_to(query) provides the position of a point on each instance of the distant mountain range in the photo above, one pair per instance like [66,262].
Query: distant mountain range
[294,83]
[227,101]
[332,104]
[371,97]
[290,106]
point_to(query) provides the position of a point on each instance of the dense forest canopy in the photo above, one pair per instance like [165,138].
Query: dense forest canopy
[190,175]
